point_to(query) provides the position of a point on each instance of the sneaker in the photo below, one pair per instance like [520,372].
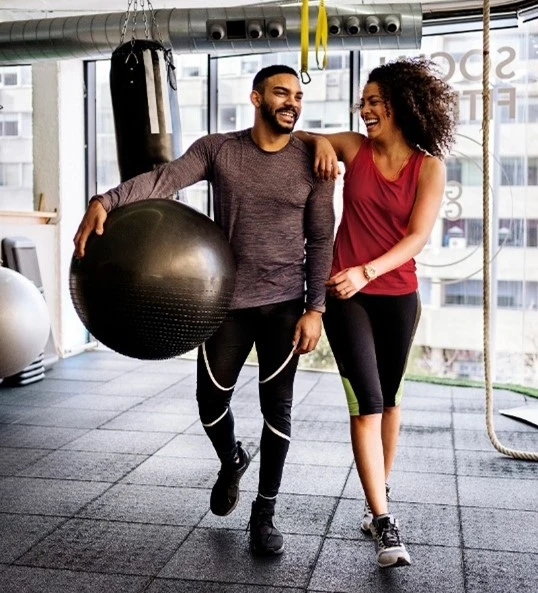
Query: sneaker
[367,514]
[265,538]
[389,545]
[225,493]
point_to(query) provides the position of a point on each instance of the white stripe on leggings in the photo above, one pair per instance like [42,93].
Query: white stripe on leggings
[217,385]
[217,420]
[277,432]
[279,369]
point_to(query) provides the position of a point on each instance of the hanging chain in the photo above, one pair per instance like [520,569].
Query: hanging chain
[154,28]
[132,13]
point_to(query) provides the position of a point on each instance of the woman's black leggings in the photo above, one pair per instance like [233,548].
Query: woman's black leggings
[270,328]
[371,336]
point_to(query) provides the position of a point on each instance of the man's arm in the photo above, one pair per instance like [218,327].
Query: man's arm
[319,235]
[162,182]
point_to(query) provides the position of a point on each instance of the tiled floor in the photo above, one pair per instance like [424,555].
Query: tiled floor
[105,475]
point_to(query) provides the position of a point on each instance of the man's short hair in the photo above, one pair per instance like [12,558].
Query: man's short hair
[265,73]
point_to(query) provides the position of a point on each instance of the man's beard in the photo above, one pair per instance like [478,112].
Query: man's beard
[270,118]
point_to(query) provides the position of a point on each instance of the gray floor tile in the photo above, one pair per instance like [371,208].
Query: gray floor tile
[13,460]
[107,547]
[494,529]
[157,505]
[88,401]
[183,586]
[20,533]
[477,421]
[38,437]
[500,572]
[349,567]
[308,413]
[224,554]
[425,460]
[337,454]
[478,440]
[36,496]
[83,465]
[419,523]
[493,464]
[23,579]
[147,422]
[191,446]
[498,493]
[175,471]
[416,436]
[294,513]
[120,441]
[67,418]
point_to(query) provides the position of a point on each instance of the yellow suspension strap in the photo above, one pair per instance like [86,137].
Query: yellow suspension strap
[322,33]
[305,77]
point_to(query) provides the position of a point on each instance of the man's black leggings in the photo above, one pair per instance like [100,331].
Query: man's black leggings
[270,328]
[371,336]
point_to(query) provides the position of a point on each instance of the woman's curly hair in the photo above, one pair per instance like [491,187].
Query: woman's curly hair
[425,107]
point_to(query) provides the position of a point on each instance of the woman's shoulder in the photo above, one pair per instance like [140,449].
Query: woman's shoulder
[347,145]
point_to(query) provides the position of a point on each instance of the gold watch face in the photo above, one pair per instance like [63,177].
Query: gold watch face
[370,272]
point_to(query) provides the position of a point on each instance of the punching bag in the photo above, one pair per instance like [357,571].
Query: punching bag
[145,106]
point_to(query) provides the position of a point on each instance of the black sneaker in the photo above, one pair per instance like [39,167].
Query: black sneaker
[390,548]
[265,538]
[225,493]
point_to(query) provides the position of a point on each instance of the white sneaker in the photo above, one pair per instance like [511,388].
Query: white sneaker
[390,548]
[367,515]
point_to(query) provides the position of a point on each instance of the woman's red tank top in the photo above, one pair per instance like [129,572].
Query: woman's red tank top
[375,216]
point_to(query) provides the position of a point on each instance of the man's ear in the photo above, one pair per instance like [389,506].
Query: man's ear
[255,98]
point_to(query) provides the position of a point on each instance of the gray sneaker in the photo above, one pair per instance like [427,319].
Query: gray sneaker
[367,515]
[389,546]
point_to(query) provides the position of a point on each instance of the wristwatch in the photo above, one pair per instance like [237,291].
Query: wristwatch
[369,271]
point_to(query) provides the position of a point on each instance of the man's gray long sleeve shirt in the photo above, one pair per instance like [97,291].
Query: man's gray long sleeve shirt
[277,216]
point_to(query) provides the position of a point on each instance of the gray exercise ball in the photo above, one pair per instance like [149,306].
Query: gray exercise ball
[24,322]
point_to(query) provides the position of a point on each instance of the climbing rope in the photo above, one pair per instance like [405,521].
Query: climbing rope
[486,101]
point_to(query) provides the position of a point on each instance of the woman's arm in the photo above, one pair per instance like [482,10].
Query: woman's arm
[329,149]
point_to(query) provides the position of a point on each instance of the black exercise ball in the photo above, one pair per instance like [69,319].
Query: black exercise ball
[157,283]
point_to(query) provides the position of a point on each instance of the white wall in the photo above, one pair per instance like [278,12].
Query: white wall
[59,186]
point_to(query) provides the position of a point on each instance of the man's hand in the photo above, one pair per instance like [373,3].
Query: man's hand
[307,332]
[93,221]
[325,161]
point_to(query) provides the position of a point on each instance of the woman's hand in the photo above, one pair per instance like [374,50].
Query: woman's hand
[325,160]
[347,282]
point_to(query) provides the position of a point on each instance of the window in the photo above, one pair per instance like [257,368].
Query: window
[465,232]
[10,175]
[511,232]
[9,125]
[466,293]
[532,171]
[512,171]
[510,294]
[532,233]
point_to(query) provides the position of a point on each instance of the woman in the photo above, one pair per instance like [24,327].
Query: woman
[393,187]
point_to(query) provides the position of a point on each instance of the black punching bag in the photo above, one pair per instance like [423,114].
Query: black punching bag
[145,106]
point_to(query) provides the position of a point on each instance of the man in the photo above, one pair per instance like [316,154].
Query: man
[279,220]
